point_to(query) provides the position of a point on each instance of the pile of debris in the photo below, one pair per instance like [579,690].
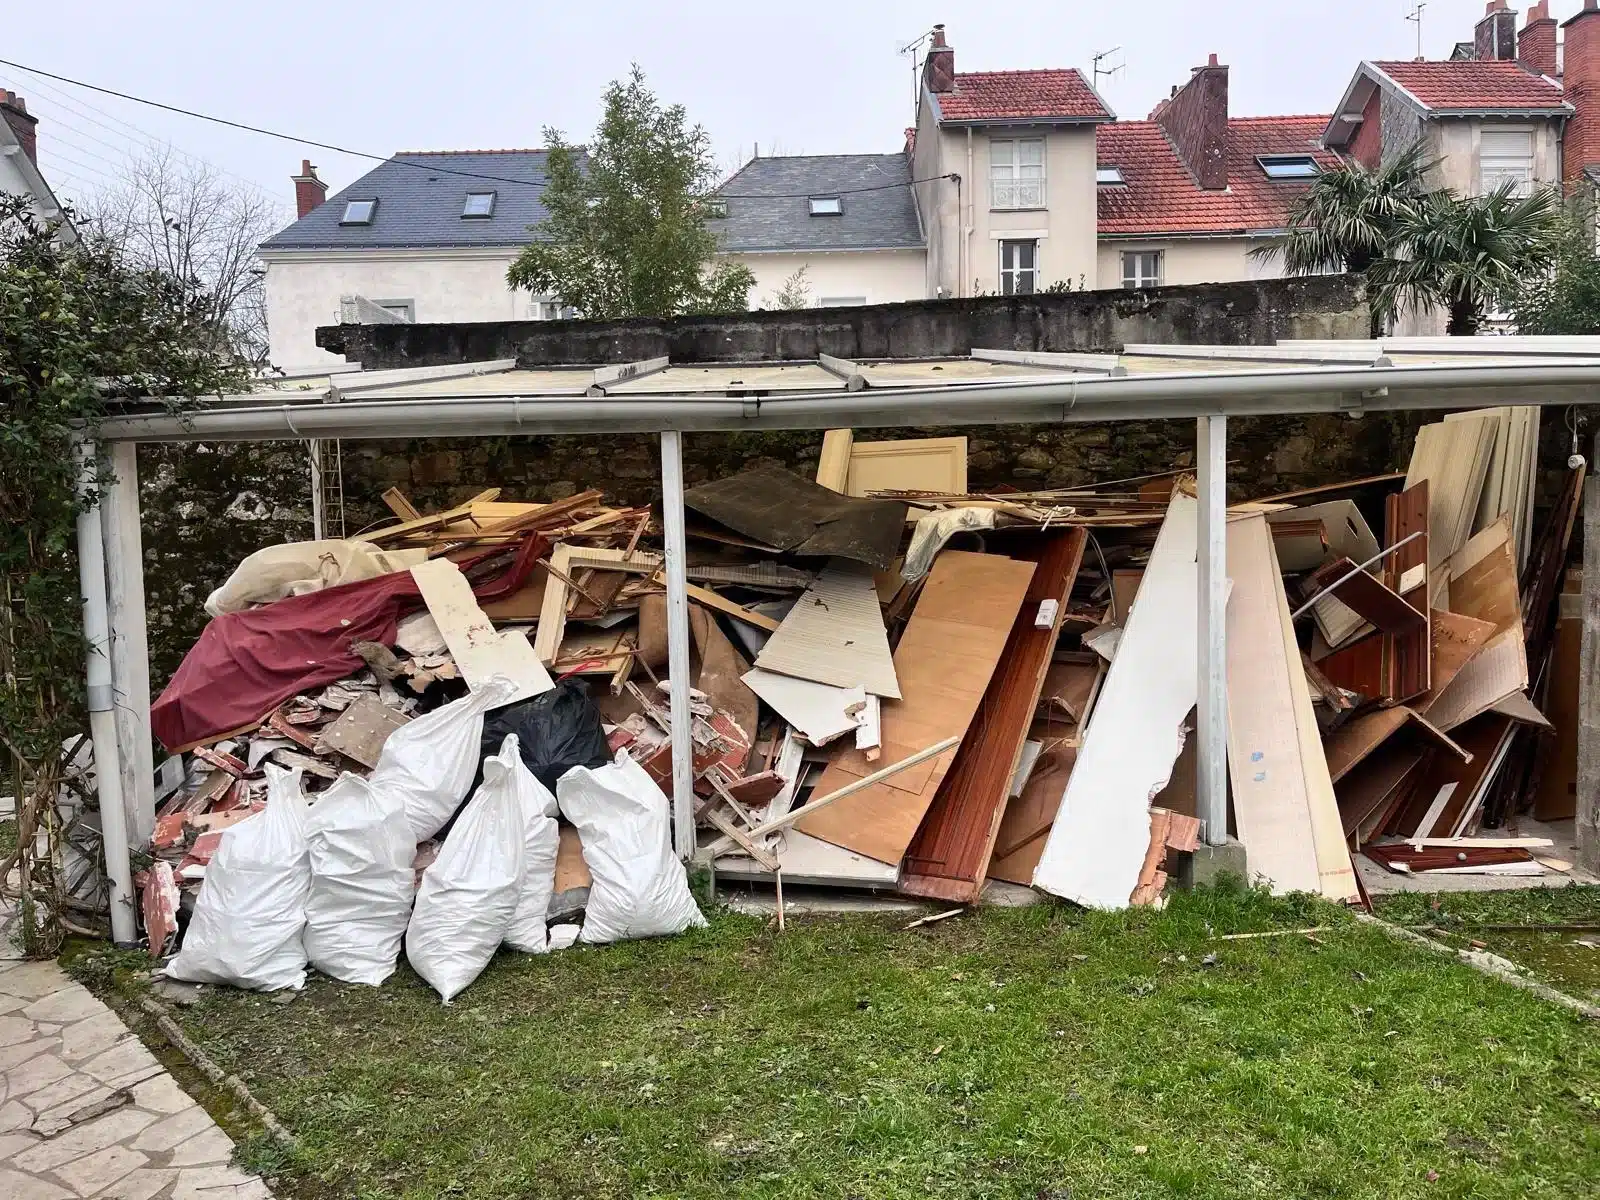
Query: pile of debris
[895,683]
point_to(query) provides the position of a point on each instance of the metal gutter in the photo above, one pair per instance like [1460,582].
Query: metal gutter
[1069,400]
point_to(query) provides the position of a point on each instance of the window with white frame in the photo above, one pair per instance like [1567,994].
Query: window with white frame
[1016,173]
[1019,268]
[1141,268]
[1506,155]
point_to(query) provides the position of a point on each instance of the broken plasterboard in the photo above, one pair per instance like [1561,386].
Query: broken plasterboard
[1097,846]
[835,635]
[480,652]
[819,712]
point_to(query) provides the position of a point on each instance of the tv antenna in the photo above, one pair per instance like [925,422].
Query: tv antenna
[1108,72]
[1415,17]
[911,49]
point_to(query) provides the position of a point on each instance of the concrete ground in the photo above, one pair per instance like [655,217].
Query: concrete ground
[86,1110]
[1380,881]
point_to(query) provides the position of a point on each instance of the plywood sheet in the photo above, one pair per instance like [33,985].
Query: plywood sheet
[1028,818]
[1483,585]
[833,467]
[950,854]
[909,465]
[480,652]
[1373,783]
[1454,457]
[835,634]
[1102,831]
[945,660]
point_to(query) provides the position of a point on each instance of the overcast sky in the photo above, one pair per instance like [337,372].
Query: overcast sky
[818,77]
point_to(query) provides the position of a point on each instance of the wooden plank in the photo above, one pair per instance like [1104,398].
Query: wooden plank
[1481,737]
[1350,744]
[741,838]
[1557,797]
[362,729]
[1453,458]
[909,465]
[944,662]
[722,604]
[949,857]
[479,650]
[399,505]
[1100,835]
[423,524]
[1407,656]
[1368,597]
[1028,818]
[1372,783]
[835,634]
[1483,585]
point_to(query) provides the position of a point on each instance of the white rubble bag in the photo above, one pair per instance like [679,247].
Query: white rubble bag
[640,888]
[251,909]
[361,881]
[471,890]
[541,840]
[428,764]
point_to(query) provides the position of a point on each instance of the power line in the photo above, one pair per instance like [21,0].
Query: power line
[434,168]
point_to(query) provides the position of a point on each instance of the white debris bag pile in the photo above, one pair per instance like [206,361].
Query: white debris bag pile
[541,841]
[429,764]
[248,917]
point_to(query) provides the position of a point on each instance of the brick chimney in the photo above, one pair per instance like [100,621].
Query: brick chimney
[939,68]
[1536,44]
[15,112]
[1496,35]
[1196,120]
[1580,145]
[309,191]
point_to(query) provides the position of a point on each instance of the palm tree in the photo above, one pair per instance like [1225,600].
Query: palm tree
[1347,218]
[1464,252]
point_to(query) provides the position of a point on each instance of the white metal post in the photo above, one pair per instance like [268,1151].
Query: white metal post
[102,718]
[319,519]
[1211,707]
[130,654]
[678,642]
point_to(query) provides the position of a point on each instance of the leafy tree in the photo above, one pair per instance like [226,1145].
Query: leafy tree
[795,292]
[1462,252]
[79,327]
[626,234]
[1565,299]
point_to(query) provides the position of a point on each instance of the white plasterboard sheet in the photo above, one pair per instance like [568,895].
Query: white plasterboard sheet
[1102,831]
[480,651]
[835,634]
[817,710]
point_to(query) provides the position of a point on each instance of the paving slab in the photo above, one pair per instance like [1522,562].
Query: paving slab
[87,1110]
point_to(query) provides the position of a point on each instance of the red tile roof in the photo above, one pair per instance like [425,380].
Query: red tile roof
[1018,95]
[1161,195]
[1473,84]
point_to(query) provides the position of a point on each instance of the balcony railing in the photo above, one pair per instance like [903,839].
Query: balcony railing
[1017,193]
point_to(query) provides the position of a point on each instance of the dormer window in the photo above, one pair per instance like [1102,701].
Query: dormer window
[826,206]
[479,204]
[1289,167]
[358,212]
[1109,176]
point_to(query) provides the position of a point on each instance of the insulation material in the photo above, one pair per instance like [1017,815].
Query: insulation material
[945,659]
[299,568]
[1098,843]
[835,635]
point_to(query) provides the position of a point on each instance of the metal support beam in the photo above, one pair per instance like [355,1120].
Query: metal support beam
[678,642]
[1211,706]
[319,519]
[102,717]
[1588,811]
[130,654]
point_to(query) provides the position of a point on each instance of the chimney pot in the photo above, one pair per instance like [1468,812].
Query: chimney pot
[1212,61]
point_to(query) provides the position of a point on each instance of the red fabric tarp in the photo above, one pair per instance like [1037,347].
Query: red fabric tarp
[247,663]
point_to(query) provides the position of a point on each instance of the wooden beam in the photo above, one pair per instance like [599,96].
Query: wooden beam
[711,600]
[400,506]
[743,840]
[833,468]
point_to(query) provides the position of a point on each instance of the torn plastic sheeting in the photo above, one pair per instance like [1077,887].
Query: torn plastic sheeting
[245,664]
[639,887]
[933,533]
[251,910]
[471,890]
[299,568]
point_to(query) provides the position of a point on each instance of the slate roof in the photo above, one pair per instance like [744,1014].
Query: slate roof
[1161,196]
[1492,84]
[420,197]
[768,205]
[1054,95]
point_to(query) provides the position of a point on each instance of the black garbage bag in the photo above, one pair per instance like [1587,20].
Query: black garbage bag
[556,730]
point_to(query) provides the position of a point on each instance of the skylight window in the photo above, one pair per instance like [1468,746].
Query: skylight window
[826,206]
[358,212]
[1289,166]
[716,206]
[1109,176]
[479,204]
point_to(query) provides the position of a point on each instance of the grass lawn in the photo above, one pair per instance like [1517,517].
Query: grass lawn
[1030,1053]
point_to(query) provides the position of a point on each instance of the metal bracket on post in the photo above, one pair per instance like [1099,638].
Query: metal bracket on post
[678,642]
[1211,704]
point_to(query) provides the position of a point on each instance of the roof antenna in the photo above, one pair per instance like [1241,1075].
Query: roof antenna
[911,49]
[1415,17]
[1108,72]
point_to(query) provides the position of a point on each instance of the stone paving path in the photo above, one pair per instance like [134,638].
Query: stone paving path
[86,1110]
